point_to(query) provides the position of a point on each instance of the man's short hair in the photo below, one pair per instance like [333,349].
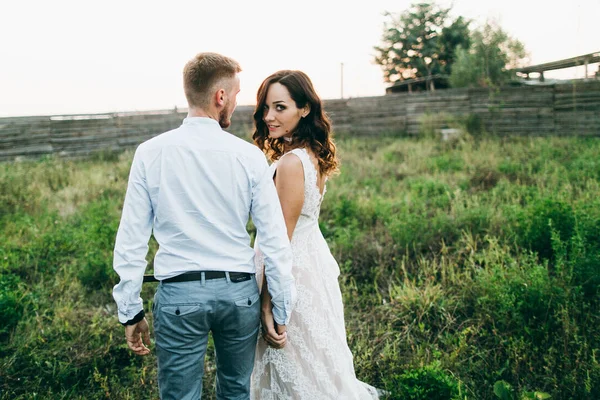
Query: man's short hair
[203,73]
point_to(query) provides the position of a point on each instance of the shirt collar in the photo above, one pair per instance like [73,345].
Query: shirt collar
[200,120]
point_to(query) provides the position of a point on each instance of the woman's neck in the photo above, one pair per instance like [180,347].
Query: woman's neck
[289,146]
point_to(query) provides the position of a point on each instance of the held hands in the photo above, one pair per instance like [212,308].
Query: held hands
[275,335]
[134,334]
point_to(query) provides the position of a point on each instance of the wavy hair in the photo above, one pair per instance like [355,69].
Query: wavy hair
[313,131]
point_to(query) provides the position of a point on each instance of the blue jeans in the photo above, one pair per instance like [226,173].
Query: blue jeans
[184,313]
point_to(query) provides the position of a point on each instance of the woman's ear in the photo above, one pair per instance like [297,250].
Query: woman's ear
[305,110]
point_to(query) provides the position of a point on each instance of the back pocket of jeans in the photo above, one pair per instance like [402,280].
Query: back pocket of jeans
[179,311]
[247,301]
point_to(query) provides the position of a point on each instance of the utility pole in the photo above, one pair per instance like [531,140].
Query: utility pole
[342,80]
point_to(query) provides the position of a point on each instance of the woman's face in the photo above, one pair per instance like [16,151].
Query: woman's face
[280,113]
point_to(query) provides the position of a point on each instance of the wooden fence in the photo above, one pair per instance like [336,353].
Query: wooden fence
[566,109]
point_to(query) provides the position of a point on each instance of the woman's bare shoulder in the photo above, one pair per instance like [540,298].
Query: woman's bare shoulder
[290,165]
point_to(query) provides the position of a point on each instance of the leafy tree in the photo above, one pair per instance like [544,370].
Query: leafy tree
[467,70]
[455,36]
[420,42]
[489,59]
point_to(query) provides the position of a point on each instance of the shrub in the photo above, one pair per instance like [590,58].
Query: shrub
[425,383]
[11,304]
[473,124]
[543,216]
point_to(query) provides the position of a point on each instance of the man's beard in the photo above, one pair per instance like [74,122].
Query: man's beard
[224,117]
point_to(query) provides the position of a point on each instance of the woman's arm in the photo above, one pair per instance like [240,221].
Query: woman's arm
[289,182]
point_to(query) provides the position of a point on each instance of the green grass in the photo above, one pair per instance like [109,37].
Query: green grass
[463,265]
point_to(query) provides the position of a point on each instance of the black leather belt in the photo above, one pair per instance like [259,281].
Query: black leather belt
[197,276]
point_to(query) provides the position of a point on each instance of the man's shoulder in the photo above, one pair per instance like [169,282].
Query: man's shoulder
[244,147]
[222,141]
[158,139]
[156,143]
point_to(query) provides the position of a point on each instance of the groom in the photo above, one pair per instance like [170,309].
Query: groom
[194,188]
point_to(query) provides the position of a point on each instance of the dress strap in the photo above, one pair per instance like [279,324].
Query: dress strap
[302,154]
[309,169]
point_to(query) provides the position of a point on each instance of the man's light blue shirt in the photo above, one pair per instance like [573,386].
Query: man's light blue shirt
[194,188]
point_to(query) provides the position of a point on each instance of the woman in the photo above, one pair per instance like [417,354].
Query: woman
[312,359]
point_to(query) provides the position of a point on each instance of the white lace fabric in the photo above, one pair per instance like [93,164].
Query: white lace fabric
[316,362]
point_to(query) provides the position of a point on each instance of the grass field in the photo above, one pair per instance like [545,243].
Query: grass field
[470,270]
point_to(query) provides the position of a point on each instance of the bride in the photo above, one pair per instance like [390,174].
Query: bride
[309,358]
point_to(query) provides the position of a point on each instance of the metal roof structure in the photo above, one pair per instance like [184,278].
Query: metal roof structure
[416,83]
[583,60]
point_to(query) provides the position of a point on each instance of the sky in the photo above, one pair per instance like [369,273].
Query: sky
[74,57]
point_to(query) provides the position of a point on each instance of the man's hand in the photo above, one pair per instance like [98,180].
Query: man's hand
[275,335]
[134,334]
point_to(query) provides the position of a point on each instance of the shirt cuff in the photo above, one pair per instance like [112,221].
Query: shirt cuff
[283,305]
[138,317]
[127,312]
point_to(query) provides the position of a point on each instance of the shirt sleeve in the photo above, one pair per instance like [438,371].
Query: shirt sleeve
[267,216]
[131,245]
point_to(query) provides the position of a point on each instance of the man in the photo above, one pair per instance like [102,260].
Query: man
[194,188]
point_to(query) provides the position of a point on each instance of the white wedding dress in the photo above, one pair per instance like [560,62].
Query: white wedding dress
[316,362]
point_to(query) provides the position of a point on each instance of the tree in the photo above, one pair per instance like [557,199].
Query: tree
[420,42]
[489,59]
[455,36]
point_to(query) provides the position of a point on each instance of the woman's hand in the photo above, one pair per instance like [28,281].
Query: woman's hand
[271,331]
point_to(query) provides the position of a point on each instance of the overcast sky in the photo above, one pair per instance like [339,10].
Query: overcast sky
[68,57]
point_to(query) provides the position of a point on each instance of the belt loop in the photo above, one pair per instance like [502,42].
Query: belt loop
[203,278]
[227,277]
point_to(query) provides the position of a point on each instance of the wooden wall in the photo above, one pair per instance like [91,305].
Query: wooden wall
[568,109]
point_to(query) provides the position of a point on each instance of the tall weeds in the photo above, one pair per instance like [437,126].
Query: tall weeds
[463,264]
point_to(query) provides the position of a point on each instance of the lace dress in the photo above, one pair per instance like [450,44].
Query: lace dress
[316,362]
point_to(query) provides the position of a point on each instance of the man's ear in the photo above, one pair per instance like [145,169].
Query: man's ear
[220,97]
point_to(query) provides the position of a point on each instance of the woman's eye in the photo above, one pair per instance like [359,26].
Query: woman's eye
[280,108]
